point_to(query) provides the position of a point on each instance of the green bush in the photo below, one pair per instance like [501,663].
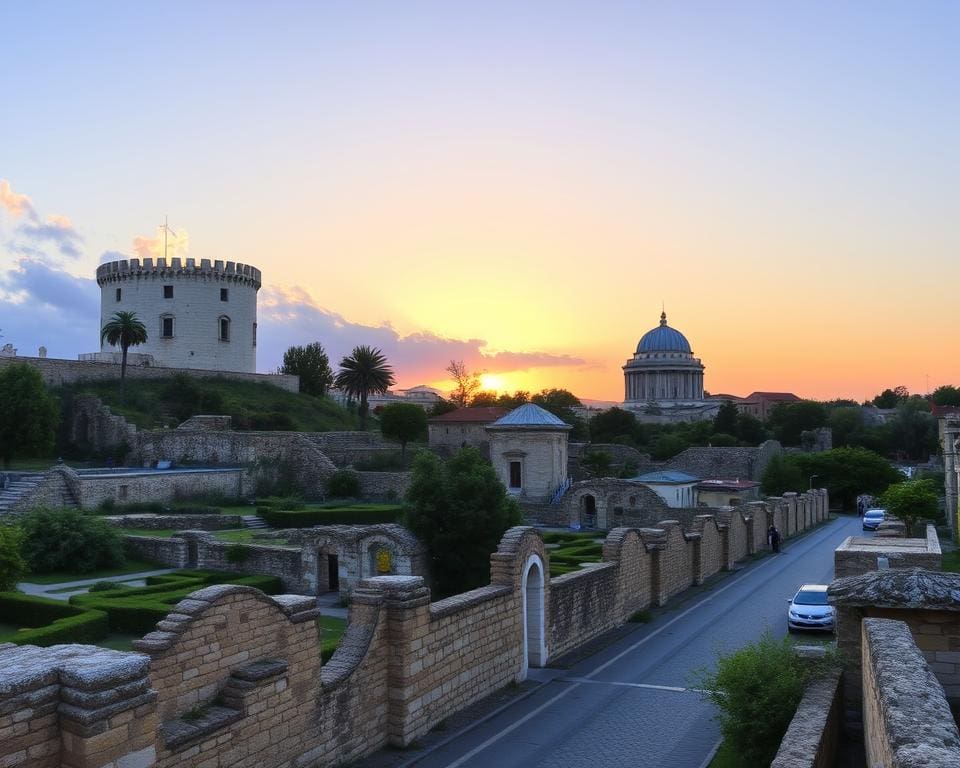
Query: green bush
[107,586]
[138,609]
[12,564]
[237,553]
[286,503]
[344,484]
[50,622]
[68,540]
[756,691]
[356,514]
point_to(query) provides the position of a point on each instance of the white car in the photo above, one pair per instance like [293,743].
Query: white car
[809,609]
[872,519]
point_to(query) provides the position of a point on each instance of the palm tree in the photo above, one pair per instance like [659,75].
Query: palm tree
[126,330]
[364,372]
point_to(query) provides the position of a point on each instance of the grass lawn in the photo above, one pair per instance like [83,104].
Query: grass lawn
[331,630]
[159,533]
[246,536]
[132,566]
[726,757]
[7,631]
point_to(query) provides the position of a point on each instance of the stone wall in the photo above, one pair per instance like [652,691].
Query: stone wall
[347,448]
[171,552]
[725,463]
[907,722]
[57,372]
[159,485]
[283,562]
[165,522]
[91,423]
[858,554]
[383,486]
[814,732]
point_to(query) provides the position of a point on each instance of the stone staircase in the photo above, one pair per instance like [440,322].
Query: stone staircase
[17,486]
[254,522]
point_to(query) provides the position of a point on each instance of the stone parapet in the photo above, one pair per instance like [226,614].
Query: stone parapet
[814,732]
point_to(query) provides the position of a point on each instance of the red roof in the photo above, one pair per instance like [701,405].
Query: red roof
[727,485]
[782,396]
[472,415]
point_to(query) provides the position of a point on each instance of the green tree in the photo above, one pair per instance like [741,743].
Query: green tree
[891,398]
[465,383]
[403,422]
[28,414]
[12,564]
[485,400]
[611,424]
[312,365]
[363,372]
[914,429]
[844,472]
[441,407]
[788,421]
[756,691]
[561,403]
[518,398]
[722,440]
[68,540]
[912,501]
[847,426]
[597,462]
[750,429]
[125,330]
[726,419]
[460,510]
[946,395]
[781,476]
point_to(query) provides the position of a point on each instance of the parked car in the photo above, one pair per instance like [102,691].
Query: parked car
[809,609]
[872,518]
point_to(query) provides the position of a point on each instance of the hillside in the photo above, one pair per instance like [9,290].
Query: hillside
[158,403]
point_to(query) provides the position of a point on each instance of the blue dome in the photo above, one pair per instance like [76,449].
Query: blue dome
[664,339]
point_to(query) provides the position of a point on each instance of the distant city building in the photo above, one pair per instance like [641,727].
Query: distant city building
[677,489]
[200,316]
[759,404]
[463,427]
[422,395]
[663,381]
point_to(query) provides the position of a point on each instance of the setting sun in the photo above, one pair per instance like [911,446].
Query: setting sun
[492,383]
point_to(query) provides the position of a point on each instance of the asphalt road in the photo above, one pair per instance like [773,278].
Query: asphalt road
[632,704]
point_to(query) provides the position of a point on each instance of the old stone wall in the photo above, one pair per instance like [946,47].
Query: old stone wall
[59,487]
[91,423]
[171,552]
[907,722]
[814,732]
[383,486]
[725,463]
[159,485]
[859,554]
[283,562]
[57,372]
[347,448]
[676,561]
[165,522]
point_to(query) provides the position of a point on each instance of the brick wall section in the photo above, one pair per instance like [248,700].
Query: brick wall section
[676,561]
[378,486]
[583,605]
[814,732]
[265,560]
[56,372]
[158,486]
[857,555]
[165,522]
[907,721]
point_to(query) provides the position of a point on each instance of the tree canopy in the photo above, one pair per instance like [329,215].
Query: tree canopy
[946,395]
[125,330]
[363,372]
[466,384]
[890,398]
[912,501]
[726,419]
[460,510]
[311,364]
[29,415]
[789,421]
[403,422]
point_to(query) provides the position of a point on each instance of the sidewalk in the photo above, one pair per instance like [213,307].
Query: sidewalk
[45,590]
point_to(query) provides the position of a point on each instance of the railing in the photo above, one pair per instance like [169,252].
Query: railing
[561,489]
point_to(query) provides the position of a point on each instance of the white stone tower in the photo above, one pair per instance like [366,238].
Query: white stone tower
[197,315]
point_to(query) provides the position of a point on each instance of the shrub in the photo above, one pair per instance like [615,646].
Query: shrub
[107,586]
[344,484]
[287,503]
[356,514]
[756,691]
[50,622]
[138,609]
[12,564]
[68,540]
[237,553]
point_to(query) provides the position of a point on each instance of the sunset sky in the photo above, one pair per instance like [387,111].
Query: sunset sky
[518,185]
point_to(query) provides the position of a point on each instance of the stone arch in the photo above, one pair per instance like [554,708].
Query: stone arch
[533,601]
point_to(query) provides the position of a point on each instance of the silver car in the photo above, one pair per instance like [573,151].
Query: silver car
[872,519]
[809,609]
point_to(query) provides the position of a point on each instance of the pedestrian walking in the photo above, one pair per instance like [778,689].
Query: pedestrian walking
[774,536]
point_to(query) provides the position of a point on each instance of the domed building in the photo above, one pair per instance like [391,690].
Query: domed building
[663,381]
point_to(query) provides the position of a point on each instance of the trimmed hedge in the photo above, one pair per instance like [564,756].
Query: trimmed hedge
[138,610]
[51,622]
[357,514]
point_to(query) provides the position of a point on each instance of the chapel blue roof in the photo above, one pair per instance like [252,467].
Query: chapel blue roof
[663,338]
[529,415]
[666,476]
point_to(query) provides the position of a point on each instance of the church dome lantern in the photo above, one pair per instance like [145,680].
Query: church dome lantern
[664,339]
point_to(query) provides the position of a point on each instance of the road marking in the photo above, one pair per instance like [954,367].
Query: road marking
[550,702]
[674,688]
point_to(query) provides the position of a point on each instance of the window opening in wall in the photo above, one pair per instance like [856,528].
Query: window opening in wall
[254,334]
[168,291]
[516,474]
[123,492]
[224,294]
[166,327]
[118,294]
[224,324]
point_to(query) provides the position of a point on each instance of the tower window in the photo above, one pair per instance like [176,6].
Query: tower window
[168,291]
[254,334]
[166,327]
[224,327]
[516,475]
[118,293]
[224,294]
